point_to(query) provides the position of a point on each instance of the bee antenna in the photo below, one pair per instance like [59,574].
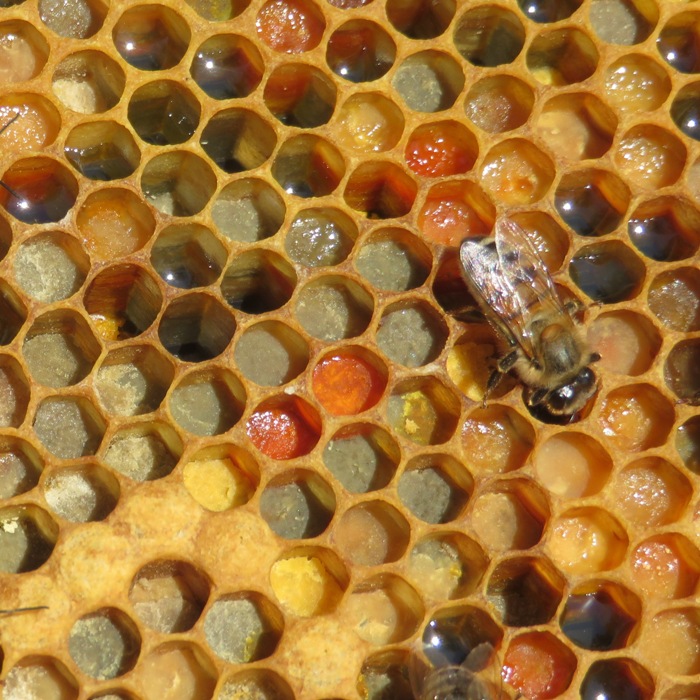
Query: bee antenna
[9,189]
[21,610]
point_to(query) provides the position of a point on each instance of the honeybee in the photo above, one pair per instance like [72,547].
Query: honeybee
[543,343]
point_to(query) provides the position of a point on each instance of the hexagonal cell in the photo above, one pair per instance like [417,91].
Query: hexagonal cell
[435,488]
[68,426]
[14,392]
[526,591]
[81,494]
[27,538]
[617,678]
[207,402]
[227,66]
[308,581]
[248,210]
[284,427]
[681,371]
[151,37]
[60,349]
[636,83]
[37,125]
[220,477]
[78,19]
[50,266]
[20,466]
[555,662]
[38,190]
[685,110]
[669,642]
[636,417]
[88,82]
[123,301]
[440,149]
[308,166]
[334,307]
[360,51]
[650,492]
[679,41]
[102,150]
[384,609]
[256,684]
[499,103]
[299,94]
[220,11]
[290,26]
[666,566]
[114,223]
[420,19]
[688,443]
[674,298]
[572,465]
[25,51]
[319,237]
[40,677]
[608,272]
[601,615]
[168,595]
[164,112]
[517,172]
[586,540]
[349,380]
[369,121]
[665,229]
[196,327]
[623,22]
[384,674]
[258,281]
[489,36]
[562,57]
[243,627]
[238,140]
[362,457]
[297,505]
[429,81]
[178,183]
[545,12]
[144,452]
[423,410]
[380,190]
[446,566]
[497,439]
[394,259]
[510,514]
[371,533]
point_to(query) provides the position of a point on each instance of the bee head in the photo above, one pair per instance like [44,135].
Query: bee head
[573,396]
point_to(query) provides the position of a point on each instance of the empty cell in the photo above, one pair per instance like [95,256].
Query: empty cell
[81,494]
[362,457]
[15,392]
[423,410]
[24,51]
[77,19]
[27,538]
[68,426]
[38,190]
[685,110]
[221,476]
[371,533]
[207,402]
[88,82]
[290,26]
[499,103]
[308,581]
[320,237]
[384,609]
[380,190]
[20,466]
[679,42]
[636,83]
[360,51]
[151,37]
[674,298]
[30,121]
[113,223]
[227,66]
[369,122]
[143,452]
[625,22]
[617,678]
[270,353]
[196,327]
[562,57]
[40,677]
[440,149]
[489,36]
[243,627]
[122,301]
[168,595]
[429,81]
[164,112]
[248,210]
[420,19]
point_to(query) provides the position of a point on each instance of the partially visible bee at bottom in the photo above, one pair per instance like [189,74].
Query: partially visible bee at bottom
[542,340]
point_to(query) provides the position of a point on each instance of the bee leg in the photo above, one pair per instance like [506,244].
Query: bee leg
[537,397]
[504,365]
[469,314]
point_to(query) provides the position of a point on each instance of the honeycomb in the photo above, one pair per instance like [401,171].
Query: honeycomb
[244,451]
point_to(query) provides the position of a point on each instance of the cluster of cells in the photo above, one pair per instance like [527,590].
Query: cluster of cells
[232,365]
